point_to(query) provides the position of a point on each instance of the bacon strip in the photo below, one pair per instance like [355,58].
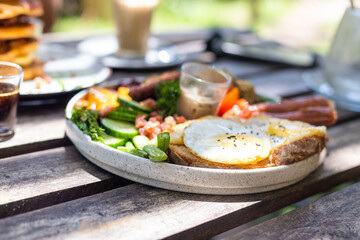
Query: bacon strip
[289,105]
[156,124]
[315,115]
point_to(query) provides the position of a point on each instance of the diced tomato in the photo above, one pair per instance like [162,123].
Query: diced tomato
[168,123]
[142,131]
[140,121]
[155,125]
[240,109]
[179,119]
[229,100]
[152,128]
[170,120]
[156,115]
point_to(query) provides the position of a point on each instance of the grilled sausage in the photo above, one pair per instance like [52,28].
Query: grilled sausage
[315,115]
[294,104]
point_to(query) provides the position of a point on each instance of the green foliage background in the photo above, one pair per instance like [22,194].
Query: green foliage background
[180,15]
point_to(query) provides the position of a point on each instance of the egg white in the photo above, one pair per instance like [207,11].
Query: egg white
[261,123]
[225,141]
[282,131]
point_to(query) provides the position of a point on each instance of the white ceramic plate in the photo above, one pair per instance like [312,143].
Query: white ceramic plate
[69,70]
[183,178]
[160,54]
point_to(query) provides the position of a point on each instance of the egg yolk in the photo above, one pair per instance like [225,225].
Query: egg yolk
[234,149]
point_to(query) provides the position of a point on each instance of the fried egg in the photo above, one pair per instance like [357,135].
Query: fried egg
[238,141]
[226,141]
[177,133]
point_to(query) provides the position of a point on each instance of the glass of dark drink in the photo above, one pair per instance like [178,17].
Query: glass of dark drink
[11,76]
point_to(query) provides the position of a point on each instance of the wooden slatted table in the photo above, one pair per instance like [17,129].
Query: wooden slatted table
[48,190]
[333,217]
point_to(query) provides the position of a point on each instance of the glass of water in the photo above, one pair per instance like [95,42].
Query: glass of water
[342,64]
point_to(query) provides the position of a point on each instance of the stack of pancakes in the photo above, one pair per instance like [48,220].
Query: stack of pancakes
[17,41]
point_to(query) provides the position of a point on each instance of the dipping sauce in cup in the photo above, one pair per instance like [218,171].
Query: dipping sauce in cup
[11,76]
[132,20]
[202,88]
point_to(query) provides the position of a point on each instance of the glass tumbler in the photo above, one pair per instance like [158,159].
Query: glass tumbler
[132,20]
[342,64]
[11,76]
[202,89]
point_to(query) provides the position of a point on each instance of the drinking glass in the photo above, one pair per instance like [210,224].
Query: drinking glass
[11,76]
[342,64]
[132,20]
[202,89]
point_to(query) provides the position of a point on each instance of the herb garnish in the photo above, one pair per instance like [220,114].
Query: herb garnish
[86,121]
[167,95]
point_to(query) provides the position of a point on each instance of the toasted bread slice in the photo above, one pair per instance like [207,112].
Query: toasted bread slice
[179,154]
[297,150]
[282,155]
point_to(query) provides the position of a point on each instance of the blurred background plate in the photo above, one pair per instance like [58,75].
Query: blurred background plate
[160,54]
[69,70]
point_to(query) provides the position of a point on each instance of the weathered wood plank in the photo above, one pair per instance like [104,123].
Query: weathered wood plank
[336,216]
[138,212]
[38,128]
[45,178]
